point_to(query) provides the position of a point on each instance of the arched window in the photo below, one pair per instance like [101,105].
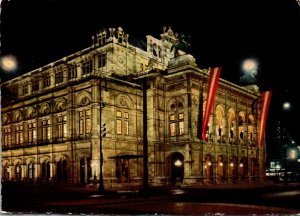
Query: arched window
[221,167]
[208,166]
[243,167]
[85,170]
[176,119]
[251,130]
[46,170]
[61,171]
[30,168]
[219,121]
[18,171]
[241,121]
[231,125]
[233,168]
[5,172]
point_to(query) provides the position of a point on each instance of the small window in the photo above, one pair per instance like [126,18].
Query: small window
[180,116]
[102,60]
[46,81]
[72,71]
[172,117]
[59,76]
[119,126]
[172,129]
[87,67]
[126,115]
[119,114]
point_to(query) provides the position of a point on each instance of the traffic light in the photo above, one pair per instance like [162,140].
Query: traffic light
[103,130]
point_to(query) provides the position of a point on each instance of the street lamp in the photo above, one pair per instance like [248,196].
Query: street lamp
[101,136]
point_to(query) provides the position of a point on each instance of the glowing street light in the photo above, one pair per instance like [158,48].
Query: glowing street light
[8,63]
[293,154]
[286,105]
[250,66]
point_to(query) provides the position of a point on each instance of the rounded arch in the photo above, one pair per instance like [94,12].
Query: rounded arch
[30,160]
[233,168]
[251,119]
[243,167]
[231,123]
[61,168]
[5,162]
[209,166]
[175,103]
[30,113]
[60,157]
[17,161]
[220,117]
[5,169]
[18,169]
[220,114]
[221,163]
[61,105]
[83,98]
[82,153]
[44,158]
[45,109]
[231,116]
[17,116]
[84,170]
[45,168]
[176,164]
[123,100]
[5,119]
[241,118]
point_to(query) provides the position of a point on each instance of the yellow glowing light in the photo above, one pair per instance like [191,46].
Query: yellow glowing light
[178,163]
[250,66]
[286,105]
[8,63]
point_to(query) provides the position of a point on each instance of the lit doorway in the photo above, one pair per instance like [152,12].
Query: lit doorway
[177,168]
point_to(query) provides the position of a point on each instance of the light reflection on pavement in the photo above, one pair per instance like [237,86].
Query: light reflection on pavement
[166,206]
[283,194]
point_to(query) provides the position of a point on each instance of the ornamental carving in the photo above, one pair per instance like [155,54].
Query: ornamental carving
[31,113]
[17,116]
[61,106]
[45,109]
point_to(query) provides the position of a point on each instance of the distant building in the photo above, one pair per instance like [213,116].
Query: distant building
[51,119]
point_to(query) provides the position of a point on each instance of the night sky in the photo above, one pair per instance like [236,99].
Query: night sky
[222,34]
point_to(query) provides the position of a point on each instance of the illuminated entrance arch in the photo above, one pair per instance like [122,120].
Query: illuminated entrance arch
[177,167]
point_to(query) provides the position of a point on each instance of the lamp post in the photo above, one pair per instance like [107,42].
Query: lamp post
[285,164]
[101,136]
[286,107]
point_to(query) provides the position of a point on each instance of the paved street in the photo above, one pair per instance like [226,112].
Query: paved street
[208,199]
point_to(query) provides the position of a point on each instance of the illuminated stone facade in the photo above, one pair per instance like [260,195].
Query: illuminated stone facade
[51,119]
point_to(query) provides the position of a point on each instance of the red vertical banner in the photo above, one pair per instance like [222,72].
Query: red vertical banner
[211,92]
[266,97]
